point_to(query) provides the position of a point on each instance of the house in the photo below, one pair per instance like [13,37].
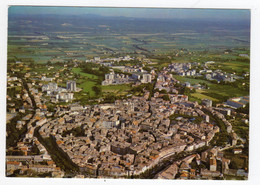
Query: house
[13,165]
[184,176]
[65,96]
[209,174]
[41,168]
[213,164]
[30,133]
[206,102]
[192,173]
[41,122]
[184,167]
[237,151]
[238,102]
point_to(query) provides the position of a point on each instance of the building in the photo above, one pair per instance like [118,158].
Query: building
[110,124]
[213,164]
[206,102]
[238,102]
[41,122]
[147,78]
[97,59]
[110,76]
[71,86]
[50,87]
[114,79]
[42,168]
[46,79]
[187,84]
[237,151]
[224,111]
[65,96]
[13,165]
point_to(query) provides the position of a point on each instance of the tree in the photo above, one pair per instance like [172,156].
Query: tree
[148,69]
[244,110]
[110,98]
[104,69]
[97,90]
[163,91]
[166,97]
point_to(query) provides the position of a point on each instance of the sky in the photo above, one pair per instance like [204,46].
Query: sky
[233,14]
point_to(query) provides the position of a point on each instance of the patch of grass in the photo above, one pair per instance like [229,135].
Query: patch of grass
[79,71]
[191,98]
[203,96]
[234,66]
[216,92]
[227,90]
[191,80]
[237,161]
[116,88]
[87,87]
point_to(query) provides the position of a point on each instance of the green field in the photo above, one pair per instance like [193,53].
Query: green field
[193,81]
[202,96]
[86,82]
[235,66]
[87,87]
[216,92]
[79,71]
[117,89]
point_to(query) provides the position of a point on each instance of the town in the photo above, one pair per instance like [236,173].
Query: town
[129,137]
[147,93]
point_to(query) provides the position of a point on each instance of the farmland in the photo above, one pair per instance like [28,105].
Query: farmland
[82,38]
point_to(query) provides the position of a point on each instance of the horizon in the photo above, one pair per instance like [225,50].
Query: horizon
[150,13]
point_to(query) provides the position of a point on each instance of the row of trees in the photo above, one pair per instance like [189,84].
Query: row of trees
[101,71]
[221,138]
[58,155]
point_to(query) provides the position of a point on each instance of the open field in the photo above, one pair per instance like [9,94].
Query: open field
[86,82]
[216,92]
[202,96]
[84,38]
[87,87]
[236,66]
[79,71]
[193,81]
[116,89]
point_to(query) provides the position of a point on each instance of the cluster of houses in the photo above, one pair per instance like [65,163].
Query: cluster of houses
[166,82]
[23,165]
[38,163]
[238,102]
[219,76]
[191,69]
[109,61]
[183,69]
[210,164]
[115,79]
[60,93]
[130,136]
